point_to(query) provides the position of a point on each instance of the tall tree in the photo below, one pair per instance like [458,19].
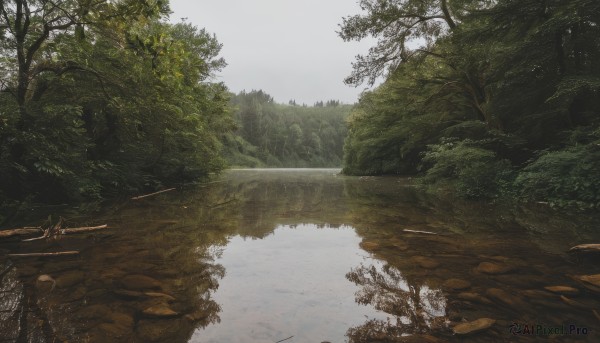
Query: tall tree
[31,25]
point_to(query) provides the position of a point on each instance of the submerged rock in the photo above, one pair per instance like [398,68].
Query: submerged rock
[425,262]
[565,290]
[159,295]
[197,315]
[69,279]
[474,297]
[493,268]
[94,312]
[591,282]
[45,283]
[139,282]
[537,294]
[504,297]
[572,303]
[121,326]
[369,246]
[456,284]
[96,293]
[129,294]
[474,326]
[163,330]
[75,295]
[160,311]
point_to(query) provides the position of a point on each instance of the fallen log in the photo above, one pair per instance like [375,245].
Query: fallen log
[57,232]
[20,232]
[45,254]
[585,248]
[153,194]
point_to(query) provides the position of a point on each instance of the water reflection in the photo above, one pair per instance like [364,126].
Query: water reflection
[416,307]
[11,298]
[261,256]
[290,283]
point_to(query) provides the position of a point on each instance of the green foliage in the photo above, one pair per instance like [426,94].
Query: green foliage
[123,104]
[497,91]
[467,168]
[564,178]
[276,135]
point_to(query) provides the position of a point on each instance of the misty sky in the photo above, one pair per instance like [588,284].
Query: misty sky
[288,48]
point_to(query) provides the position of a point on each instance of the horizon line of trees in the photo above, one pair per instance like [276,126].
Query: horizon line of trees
[278,135]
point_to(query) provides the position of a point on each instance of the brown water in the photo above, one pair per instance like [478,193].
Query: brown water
[264,255]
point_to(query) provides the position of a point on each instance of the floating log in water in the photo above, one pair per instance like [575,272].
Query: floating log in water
[153,194]
[45,254]
[58,231]
[585,248]
[83,229]
[419,231]
[20,232]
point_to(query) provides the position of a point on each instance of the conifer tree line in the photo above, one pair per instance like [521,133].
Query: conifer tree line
[481,98]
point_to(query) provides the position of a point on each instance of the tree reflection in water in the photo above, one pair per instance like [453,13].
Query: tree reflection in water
[417,308]
[11,297]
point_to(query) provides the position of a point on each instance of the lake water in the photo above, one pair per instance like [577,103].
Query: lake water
[304,256]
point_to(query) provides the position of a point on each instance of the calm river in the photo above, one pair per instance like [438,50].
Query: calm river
[301,256]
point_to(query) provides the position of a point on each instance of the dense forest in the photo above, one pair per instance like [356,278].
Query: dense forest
[105,97]
[481,98]
[277,135]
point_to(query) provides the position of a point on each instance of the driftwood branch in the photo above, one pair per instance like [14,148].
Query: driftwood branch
[285,339]
[419,231]
[585,248]
[83,229]
[222,203]
[20,232]
[44,236]
[45,254]
[152,194]
[53,231]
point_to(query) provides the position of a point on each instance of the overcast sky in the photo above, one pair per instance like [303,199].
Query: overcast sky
[288,48]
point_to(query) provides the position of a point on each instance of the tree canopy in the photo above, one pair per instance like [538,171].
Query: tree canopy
[493,90]
[104,97]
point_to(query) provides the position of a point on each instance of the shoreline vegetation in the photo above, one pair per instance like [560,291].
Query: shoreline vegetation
[499,101]
[101,100]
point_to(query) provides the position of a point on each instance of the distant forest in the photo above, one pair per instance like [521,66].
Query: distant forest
[278,135]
